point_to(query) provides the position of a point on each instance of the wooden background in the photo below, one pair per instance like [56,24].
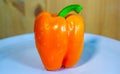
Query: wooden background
[101,16]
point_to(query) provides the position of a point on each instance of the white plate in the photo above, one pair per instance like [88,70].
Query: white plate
[18,55]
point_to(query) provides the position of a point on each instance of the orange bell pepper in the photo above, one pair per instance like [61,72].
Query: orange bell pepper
[59,38]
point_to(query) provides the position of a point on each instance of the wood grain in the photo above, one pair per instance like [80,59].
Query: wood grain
[101,17]
[11,19]
[17,16]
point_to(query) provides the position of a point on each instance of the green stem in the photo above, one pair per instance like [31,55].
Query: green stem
[75,7]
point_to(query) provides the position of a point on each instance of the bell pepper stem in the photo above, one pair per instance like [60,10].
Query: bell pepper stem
[75,7]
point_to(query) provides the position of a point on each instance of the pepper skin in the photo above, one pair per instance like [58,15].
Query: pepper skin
[59,38]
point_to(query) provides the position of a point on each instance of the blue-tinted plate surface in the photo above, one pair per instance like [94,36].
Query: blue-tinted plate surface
[18,55]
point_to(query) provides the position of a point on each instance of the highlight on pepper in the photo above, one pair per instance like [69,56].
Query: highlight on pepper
[59,38]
